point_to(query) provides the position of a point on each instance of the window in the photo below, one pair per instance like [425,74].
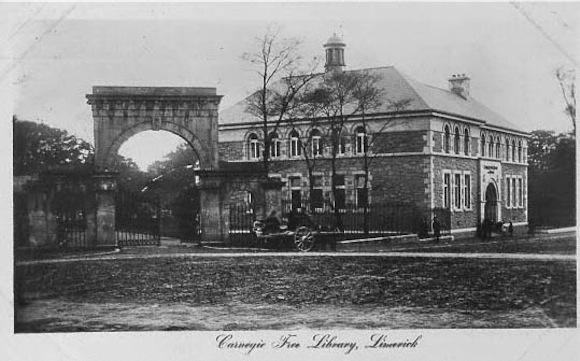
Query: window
[520,151]
[508,193]
[514,200]
[466,141]
[340,196]
[456,141]
[361,140]
[446,190]
[253,146]
[490,152]
[457,190]
[316,139]
[296,192]
[316,198]
[513,150]
[520,192]
[467,191]
[295,145]
[447,141]
[361,192]
[274,145]
[507,149]
[497,148]
[483,145]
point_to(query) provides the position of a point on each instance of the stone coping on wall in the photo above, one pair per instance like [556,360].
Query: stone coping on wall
[154,91]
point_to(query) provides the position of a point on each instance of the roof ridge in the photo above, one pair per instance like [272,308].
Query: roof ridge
[417,94]
[371,68]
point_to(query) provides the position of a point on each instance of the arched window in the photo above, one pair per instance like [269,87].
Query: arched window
[253,147]
[456,141]
[490,152]
[466,141]
[447,142]
[295,145]
[520,151]
[507,149]
[274,145]
[316,139]
[513,150]
[482,145]
[361,140]
[497,148]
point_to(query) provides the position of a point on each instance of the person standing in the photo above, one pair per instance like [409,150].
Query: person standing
[436,228]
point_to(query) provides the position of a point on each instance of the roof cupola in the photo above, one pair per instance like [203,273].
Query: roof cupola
[334,54]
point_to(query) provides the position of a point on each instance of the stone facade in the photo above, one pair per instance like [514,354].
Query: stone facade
[445,150]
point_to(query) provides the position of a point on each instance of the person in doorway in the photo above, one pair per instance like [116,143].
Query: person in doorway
[436,228]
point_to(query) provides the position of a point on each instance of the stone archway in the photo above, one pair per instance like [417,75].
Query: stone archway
[191,113]
[121,112]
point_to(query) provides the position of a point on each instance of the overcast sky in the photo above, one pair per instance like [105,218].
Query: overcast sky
[59,51]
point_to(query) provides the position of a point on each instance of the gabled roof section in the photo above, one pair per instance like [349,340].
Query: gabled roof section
[398,87]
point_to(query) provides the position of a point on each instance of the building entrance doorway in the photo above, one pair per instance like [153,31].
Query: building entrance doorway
[491,203]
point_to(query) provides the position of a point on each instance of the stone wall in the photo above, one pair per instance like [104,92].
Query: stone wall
[398,142]
[231,151]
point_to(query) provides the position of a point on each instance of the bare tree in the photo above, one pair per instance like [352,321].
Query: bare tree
[567,82]
[393,107]
[312,157]
[278,63]
[338,97]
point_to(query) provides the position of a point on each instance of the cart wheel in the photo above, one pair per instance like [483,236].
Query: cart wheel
[304,239]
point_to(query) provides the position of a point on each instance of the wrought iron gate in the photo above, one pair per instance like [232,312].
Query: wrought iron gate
[69,208]
[241,220]
[137,219]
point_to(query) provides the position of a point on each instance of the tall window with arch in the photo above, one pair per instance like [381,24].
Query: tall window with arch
[295,146]
[520,151]
[274,145]
[316,142]
[490,151]
[253,146]
[497,148]
[447,140]
[513,150]
[361,140]
[456,141]
[483,145]
[507,149]
[466,141]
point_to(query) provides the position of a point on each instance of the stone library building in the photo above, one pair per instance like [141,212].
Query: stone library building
[443,150]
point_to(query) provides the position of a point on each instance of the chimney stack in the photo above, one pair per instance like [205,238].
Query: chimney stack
[459,84]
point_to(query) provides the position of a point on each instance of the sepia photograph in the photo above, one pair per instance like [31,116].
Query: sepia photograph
[387,180]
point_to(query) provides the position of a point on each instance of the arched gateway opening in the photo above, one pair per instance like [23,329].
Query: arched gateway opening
[491,203]
[191,113]
[121,112]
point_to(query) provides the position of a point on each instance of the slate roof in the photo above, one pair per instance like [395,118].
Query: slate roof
[398,86]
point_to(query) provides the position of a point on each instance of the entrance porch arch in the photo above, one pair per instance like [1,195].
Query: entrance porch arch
[491,203]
